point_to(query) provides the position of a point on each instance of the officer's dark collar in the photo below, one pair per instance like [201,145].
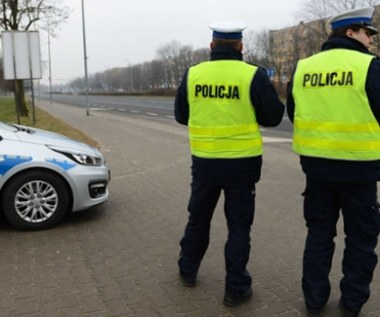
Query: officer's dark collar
[344,42]
[225,52]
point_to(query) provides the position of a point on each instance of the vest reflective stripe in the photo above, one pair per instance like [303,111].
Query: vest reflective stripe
[222,122]
[224,131]
[339,145]
[333,118]
[224,147]
[337,127]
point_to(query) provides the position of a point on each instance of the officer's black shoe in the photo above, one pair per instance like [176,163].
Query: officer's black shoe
[188,281]
[314,311]
[347,312]
[231,300]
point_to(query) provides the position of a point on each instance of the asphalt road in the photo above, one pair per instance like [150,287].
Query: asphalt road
[146,106]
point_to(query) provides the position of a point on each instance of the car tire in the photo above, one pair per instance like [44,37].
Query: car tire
[35,200]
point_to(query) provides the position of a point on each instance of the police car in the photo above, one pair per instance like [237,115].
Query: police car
[44,175]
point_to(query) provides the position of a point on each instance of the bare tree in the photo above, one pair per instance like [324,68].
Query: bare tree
[177,58]
[257,47]
[200,55]
[171,54]
[158,74]
[323,9]
[23,15]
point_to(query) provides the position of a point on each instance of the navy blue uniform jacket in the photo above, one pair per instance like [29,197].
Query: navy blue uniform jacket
[269,112]
[341,170]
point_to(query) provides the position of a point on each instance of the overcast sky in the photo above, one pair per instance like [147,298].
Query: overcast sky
[123,32]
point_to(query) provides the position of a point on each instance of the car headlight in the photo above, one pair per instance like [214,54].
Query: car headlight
[80,157]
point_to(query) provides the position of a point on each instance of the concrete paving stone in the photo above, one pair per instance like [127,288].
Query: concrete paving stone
[126,283]
[149,284]
[134,296]
[267,281]
[25,306]
[52,308]
[110,292]
[200,294]
[26,276]
[210,307]
[167,311]
[118,307]
[24,290]
[6,285]
[28,315]
[75,311]
[142,311]
[65,286]
[97,314]
[92,304]
[175,289]
[104,280]
[6,311]
[158,298]
[6,301]
[277,306]
[184,304]
[283,294]
[292,313]
[46,281]
[94,258]
[85,289]
[260,312]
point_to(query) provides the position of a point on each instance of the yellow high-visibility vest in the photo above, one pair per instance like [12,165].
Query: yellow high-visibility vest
[222,120]
[333,117]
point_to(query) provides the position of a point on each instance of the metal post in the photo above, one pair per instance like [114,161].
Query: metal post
[16,87]
[85,60]
[31,77]
[50,83]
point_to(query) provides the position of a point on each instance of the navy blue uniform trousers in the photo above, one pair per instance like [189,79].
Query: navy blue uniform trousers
[323,202]
[239,209]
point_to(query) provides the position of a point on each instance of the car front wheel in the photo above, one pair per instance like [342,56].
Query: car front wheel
[35,200]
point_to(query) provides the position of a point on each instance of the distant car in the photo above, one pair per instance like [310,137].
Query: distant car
[44,175]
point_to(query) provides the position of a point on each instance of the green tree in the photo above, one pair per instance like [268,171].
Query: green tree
[23,15]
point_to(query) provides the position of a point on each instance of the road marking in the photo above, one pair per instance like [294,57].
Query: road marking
[151,113]
[99,109]
[269,139]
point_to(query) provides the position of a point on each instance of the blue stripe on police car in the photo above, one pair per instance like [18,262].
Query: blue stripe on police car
[63,164]
[9,161]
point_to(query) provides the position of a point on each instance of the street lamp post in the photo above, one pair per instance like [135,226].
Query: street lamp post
[85,60]
[130,74]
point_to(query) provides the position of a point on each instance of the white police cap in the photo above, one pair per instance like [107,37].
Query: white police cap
[228,29]
[362,17]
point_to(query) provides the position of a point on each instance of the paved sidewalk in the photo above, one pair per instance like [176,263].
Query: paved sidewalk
[119,259]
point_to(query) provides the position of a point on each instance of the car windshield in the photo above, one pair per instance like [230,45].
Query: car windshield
[7,126]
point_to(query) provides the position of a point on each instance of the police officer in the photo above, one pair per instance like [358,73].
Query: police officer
[334,102]
[223,101]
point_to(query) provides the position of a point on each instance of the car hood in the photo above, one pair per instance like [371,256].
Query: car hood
[44,137]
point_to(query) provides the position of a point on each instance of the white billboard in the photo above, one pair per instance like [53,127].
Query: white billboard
[21,54]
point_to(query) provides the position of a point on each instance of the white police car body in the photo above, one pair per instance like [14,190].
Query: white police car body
[44,175]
